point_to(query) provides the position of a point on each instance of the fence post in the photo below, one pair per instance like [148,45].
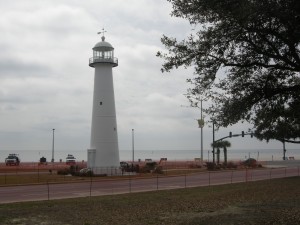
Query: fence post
[285,172]
[91,182]
[157,182]
[246,175]
[208,178]
[38,174]
[270,173]
[48,190]
[112,187]
[185,180]
[231,176]
[129,184]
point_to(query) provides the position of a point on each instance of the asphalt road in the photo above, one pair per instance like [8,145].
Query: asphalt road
[129,184]
[282,163]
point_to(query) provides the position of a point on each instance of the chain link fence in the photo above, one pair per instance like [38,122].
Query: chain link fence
[95,186]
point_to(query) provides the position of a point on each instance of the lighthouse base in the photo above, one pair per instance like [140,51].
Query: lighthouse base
[98,169]
[107,171]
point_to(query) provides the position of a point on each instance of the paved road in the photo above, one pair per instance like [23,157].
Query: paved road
[282,163]
[129,185]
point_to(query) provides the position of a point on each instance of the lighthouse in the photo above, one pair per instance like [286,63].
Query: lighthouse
[103,154]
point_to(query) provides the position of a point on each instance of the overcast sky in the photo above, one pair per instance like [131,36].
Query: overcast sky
[46,83]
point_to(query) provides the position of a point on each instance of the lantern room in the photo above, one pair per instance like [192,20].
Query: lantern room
[103,52]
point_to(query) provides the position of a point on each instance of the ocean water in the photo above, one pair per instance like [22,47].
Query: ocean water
[179,155]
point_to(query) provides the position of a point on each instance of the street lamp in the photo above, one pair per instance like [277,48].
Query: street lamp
[201,125]
[132,145]
[284,150]
[52,160]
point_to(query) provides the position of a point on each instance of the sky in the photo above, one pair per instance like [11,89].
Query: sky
[46,82]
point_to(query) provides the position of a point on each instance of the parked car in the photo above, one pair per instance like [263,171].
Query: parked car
[70,160]
[124,164]
[12,160]
[43,161]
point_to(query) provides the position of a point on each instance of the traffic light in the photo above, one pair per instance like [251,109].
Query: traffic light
[230,134]
[243,134]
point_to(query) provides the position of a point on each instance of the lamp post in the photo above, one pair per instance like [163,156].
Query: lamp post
[284,150]
[52,160]
[132,145]
[201,125]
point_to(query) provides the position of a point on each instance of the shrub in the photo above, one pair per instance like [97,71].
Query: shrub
[211,166]
[144,169]
[129,167]
[194,166]
[63,172]
[137,168]
[150,166]
[250,163]
[90,173]
[73,170]
[158,170]
[231,165]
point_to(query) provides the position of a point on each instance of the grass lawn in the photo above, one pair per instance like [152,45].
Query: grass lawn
[274,201]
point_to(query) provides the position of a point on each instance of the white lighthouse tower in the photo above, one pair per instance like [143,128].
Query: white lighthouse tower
[103,154]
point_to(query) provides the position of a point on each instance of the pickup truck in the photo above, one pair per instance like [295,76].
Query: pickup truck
[12,160]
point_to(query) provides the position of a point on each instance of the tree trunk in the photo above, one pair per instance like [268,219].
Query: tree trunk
[225,156]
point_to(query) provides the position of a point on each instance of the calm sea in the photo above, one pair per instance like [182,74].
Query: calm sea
[180,155]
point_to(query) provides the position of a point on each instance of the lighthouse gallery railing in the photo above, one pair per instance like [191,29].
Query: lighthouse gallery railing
[99,59]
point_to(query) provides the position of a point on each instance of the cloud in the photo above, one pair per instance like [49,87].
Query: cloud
[46,83]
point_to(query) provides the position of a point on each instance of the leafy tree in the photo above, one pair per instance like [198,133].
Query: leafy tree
[246,58]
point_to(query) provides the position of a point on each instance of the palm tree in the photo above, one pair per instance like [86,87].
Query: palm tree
[224,145]
[217,145]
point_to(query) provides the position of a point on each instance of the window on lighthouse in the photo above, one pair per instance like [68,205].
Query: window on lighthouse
[107,55]
[98,54]
[101,54]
